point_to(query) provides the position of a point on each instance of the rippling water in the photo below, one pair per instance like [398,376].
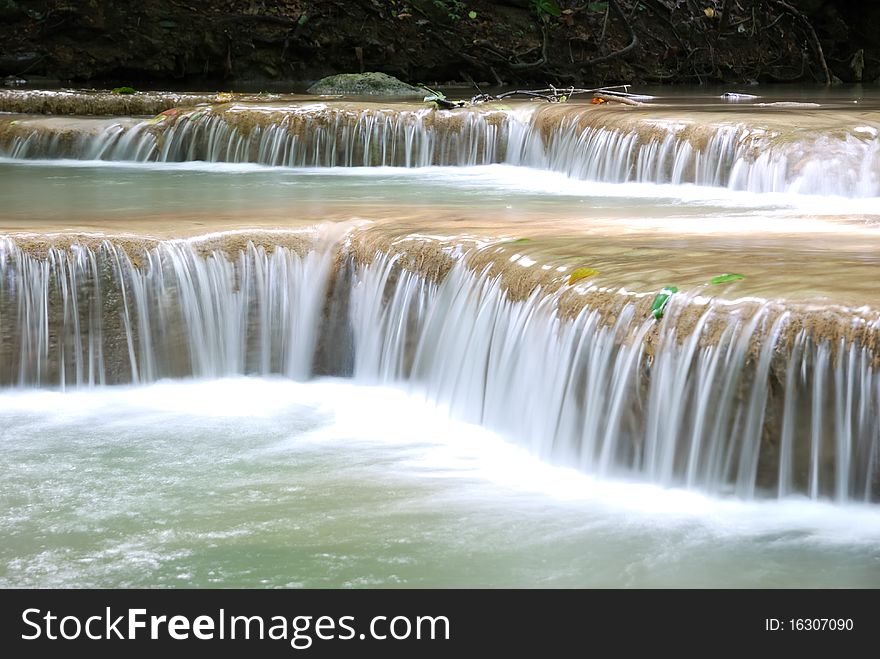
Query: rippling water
[249,482]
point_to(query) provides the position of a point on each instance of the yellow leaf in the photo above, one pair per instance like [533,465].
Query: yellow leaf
[581,273]
[709,12]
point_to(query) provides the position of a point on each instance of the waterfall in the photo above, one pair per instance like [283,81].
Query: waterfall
[310,135]
[833,154]
[756,152]
[103,314]
[744,400]
[752,397]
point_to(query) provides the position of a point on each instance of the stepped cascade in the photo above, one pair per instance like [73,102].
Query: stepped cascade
[759,150]
[88,315]
[758,398]
[764,392]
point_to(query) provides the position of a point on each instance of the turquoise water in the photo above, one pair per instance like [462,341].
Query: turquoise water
[261,482]
[49,189]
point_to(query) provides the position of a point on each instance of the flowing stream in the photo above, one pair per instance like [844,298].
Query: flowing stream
[316,343]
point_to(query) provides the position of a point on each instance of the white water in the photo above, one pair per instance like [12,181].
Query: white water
[255,482]
[587,394]
[481,442]
[742,151]
[697,412]
[85,316]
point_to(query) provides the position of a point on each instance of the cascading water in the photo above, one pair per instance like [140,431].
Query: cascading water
[86,315]
[236,375]
[754,399]
[726,406]
[312,135]
[754,153]
[757,151]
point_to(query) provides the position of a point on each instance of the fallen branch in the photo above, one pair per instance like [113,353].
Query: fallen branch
[554,94]
[616,98]
[615,93]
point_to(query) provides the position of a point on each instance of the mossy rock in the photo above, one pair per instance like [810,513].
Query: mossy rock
[365,84]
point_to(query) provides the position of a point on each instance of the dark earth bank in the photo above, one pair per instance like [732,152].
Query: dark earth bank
[511,42]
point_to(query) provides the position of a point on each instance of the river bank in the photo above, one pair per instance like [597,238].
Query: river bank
[289,44]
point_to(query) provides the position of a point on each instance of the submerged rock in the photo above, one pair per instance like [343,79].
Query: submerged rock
[365,84]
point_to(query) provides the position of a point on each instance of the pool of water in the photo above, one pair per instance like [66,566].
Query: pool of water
[260,482]
[73,191]
[52,188]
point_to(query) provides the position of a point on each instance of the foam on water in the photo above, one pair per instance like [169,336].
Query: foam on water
[345,419]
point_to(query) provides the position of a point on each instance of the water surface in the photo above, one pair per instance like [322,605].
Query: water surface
[261,482]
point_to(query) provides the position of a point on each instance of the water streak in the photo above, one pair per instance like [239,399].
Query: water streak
[722,406]
[87,316]
[837,154]
[745,398]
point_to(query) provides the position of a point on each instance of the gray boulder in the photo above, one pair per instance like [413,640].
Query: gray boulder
[365,84]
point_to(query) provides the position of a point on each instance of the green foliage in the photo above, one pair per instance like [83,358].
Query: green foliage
[454,8]
[658,306]
[598,6]
[548,7]
[123,90]
[433,94]
[725,278]
[472,15]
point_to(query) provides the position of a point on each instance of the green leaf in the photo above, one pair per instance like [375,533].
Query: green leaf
[598,6]
[472,15]
[434,94]
[123,90]
[723,279]
[581,273]
[198,114]
[658,306]
[515,242]
[548,7]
